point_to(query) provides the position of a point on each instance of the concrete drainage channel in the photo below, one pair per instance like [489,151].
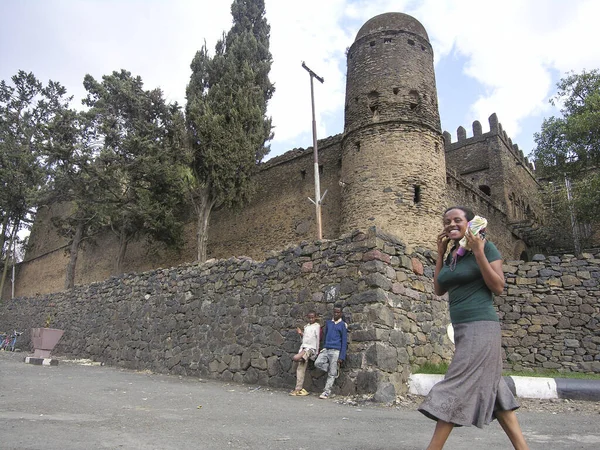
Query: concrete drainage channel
[525,387]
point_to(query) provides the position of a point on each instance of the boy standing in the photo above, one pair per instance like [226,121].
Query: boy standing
[309,348]
[334,349]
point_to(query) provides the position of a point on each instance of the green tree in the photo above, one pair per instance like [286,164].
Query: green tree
[571,144]
[26,108]
[568,153]
[226,115]
[140,159]
[75,179]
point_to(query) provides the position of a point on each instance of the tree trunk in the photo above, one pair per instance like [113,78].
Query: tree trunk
[3,232]
[6,261]
[123,241]
[74,253]
[203,205]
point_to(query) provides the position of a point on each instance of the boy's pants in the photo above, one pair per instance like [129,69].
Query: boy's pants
[301,369]
[328,362]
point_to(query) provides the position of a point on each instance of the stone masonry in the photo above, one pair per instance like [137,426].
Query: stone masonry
[550,313]
[235,319]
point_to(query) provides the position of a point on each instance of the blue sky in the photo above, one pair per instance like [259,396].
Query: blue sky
[490,57]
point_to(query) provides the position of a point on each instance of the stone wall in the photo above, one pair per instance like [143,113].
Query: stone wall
[235,319]
[550,313]
[279,215]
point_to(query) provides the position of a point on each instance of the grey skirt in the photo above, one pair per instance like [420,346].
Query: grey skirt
[473,388]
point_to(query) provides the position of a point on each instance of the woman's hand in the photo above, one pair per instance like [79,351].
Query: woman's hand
[476,242]
[442,244]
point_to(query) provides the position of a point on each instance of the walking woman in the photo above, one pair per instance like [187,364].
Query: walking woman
[473,391]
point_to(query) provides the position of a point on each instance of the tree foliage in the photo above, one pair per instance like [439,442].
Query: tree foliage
[75,179]
[571,143]
[226,114]
[138,167]
[26,108]
[568,148]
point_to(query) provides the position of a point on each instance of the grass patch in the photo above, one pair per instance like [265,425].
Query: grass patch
[432,369]
[442,368]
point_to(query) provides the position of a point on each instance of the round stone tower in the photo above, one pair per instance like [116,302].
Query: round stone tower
[393,168]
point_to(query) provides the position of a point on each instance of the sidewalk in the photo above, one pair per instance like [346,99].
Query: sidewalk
[525,387]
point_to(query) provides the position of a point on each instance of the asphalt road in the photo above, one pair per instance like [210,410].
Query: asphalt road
[72,406]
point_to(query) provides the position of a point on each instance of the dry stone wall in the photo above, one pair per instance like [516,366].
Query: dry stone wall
[550,313]
[235,319]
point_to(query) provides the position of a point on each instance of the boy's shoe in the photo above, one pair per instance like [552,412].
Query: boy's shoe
[294,393]
[302,393]
[324,395]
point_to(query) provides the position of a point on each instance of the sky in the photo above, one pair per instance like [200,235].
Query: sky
[490,57]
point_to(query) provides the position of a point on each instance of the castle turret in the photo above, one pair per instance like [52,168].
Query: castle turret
[393,169]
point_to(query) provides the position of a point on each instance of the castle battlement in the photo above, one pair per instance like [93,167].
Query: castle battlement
[496,130]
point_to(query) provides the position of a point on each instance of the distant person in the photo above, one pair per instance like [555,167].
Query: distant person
[334,349]
[473,391]
[311,334]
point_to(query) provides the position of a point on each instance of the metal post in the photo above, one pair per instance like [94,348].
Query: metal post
[574,226]
[318,198]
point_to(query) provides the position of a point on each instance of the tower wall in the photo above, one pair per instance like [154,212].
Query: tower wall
[393,169]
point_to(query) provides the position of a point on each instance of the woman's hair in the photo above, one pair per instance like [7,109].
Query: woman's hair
[468,213]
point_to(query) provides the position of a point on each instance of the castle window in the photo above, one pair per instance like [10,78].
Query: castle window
[423,48]
[387,40]
[372,43]
[411,42]
[303,174]
[414,99]
[396,90]
[357,146]
[417,195]
[485,189]
[320,169]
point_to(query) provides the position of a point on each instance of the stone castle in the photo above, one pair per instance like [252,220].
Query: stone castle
[392,168]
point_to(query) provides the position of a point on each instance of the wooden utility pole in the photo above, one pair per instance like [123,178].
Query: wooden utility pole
[318,198]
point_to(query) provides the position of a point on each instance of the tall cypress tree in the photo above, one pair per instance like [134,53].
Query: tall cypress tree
[226,114]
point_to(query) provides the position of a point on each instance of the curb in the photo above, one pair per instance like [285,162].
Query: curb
[524,387]
[41,361]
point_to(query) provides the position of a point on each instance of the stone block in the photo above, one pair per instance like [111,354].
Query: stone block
[570,280]
[417,266]
[367,382]
[525,281]
[382,356]
[571,343]
[386,393]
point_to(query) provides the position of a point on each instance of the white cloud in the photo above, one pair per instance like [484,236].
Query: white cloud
[514,49]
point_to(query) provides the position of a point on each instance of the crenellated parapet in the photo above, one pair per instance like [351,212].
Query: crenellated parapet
[496,130]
